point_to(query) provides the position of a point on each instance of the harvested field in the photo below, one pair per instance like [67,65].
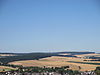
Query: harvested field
[57,61]
[83,55]
[7,55]
[65,54]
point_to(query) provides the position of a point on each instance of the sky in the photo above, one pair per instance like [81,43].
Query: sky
[49,25]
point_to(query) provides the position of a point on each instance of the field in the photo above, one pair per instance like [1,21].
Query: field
[6,68]
[7,55]
[75,60]
[84,55]
[58,61]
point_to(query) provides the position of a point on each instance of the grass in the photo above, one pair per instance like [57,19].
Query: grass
[6,68]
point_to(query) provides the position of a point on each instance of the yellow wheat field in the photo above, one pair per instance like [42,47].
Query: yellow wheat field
[56,61]
[83,55]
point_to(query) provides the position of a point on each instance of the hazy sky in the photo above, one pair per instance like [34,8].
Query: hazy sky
[49,25]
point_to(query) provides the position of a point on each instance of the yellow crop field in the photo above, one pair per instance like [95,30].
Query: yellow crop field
[83,55]
[7,55]
[57,61]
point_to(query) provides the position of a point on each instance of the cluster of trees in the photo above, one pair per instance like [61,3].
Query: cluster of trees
[10,65]
[27,56]
[97,70]
[61,70]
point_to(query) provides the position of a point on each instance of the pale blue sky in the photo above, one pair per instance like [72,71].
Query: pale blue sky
[49,25]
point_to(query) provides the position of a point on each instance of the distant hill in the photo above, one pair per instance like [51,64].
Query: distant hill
[78,53]
[36,56]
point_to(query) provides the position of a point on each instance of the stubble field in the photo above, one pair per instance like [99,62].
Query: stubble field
[57,61]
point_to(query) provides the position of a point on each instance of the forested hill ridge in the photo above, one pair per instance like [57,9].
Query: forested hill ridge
[71,52]
[9,57]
